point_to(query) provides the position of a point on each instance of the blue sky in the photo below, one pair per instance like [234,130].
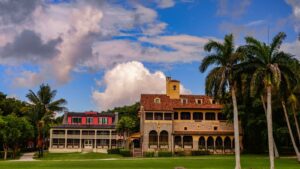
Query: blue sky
[104,54]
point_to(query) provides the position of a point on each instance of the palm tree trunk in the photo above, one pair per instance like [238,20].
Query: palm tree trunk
[269,126]
[236,130]
[274,144]
[290,130]
[296,123]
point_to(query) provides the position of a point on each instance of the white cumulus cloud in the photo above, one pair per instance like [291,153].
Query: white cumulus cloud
[125,83]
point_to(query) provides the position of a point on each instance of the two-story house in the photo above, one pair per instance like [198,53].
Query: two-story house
[86,131]
[176,122]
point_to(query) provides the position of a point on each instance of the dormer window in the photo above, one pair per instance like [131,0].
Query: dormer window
[157,100]
[199,101]
[184,101]
[174,87]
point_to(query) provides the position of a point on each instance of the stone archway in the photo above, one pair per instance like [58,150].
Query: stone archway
[201,143]
[163,139]
[153,139]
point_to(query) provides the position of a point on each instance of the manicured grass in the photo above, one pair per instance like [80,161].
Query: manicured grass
[202,162]
[75,156]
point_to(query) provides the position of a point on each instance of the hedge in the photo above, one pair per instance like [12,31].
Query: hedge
[125,152]
[200,152]
[113,151]
[149,154]
[165,154]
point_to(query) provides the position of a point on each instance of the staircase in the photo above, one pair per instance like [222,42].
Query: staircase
[137,152]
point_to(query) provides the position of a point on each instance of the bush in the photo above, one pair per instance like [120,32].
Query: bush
[10,154]
[149,154]
[200,152]
[179,153]
[125,152]
[165,154]
[113,151]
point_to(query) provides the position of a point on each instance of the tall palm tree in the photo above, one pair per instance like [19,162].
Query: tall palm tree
[225,57]
[43,108]
[293,100]
[267,63]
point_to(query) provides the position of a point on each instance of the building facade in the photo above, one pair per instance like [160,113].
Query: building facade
[176,122]
[86,131]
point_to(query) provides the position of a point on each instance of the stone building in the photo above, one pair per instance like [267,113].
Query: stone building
[85,131]
[176,122]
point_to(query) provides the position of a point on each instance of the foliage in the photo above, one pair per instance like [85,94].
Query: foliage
[125,152]
[165,154]
[113,151]
[125,124]
[149,154]
[200,152]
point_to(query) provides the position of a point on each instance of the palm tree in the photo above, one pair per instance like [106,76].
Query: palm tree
[267,63]
[293,100]
[43,108]
[225,58]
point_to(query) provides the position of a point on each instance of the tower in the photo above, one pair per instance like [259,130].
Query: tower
[172,88]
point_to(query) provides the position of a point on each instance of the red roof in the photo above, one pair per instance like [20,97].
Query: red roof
[167,104]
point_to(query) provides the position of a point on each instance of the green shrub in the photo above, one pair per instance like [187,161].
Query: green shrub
[125,152]
[179,153]
[165,154]
[149,154]
[200,152]
[113,151]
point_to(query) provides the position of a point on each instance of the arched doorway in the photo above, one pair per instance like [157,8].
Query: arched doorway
[136,143]
[219,143]
[188,142]
[201,143]
[210,143]
[227,143]
[163,139]
[153,139]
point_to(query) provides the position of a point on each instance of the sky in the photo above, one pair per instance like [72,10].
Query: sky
[103,54]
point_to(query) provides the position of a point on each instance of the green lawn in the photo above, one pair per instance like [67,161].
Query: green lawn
[76,156]
[73,161]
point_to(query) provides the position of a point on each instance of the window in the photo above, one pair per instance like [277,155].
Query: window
[222,117]
[184,101]
[158,116]
[76,120]
[103,120]
[88,132]
[89,120]
[157,100]
[168,116]
[174,87]
[175,115]
[149,116]
[185,116]
[73,132]
[103,132]
[197,116]
[198,101]
[210,116]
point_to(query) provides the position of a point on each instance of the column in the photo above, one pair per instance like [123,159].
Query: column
[66,136]
[223,144]
[80,139]
[172,143]
[158,140]
[95,139]
[51,130]
[205,140]
[216,115]
[182,142]
[196,142]
[109,139]
[214,142]
[204,116]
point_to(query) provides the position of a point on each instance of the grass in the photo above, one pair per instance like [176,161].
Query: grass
[83,161]
[77,156]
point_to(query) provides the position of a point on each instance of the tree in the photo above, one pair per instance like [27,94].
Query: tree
[14,130]
[267,63]
[43,107]
[226,59]
[125,125]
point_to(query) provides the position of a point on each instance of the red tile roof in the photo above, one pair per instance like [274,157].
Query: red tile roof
[167,104]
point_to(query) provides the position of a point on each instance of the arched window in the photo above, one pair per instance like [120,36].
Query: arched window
[153,138]
[210,143]
[219,143]
[227,143]
[201,142]
[163,138]
[157,100]
[174,87]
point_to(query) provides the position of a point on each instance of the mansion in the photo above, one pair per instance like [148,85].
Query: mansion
[175,122]
[168,122]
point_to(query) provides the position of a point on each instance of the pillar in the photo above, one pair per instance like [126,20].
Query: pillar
[205,140]
[204,116]
[181,142]
[80,139]
[196,142]
[51,130]
[158,133]
[66,136]
[109,147]
[95,139]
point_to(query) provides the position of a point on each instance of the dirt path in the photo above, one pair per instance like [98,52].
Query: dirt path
[27,157]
